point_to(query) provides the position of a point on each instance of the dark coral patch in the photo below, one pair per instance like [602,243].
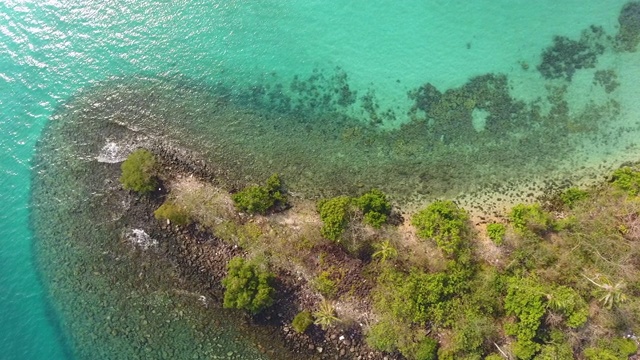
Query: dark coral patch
[566,56]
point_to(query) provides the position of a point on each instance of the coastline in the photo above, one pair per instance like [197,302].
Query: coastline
[76,186]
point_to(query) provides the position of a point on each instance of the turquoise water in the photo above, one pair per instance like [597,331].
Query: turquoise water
[51,50]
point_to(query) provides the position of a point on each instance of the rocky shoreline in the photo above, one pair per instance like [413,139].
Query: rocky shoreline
[202,258]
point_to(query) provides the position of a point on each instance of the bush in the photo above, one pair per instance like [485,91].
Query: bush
[427,349]
[302,321]
[494,356]
[627,180]
[260,199]
[530,218]
[570,304]
[601,354]
[172,212]
[618,349]
[412,297]
[554,351]
[573,195]
[383,336]
[444,222]
[335,216]
[375,207]
[139,171]
[325,285]
[496,232]
[525,300]
[247,287]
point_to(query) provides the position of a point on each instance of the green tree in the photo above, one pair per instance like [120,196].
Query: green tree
[335,216]
[444,222]
[247,287]
[525,300]
[375,207]
[260,199]
[610,294]
[139,172]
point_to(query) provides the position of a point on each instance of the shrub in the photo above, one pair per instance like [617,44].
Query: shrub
[525,300]
[412,297]
[383,336]
[494,356]
[496,232]
[172,212]
[601,354]
[624,347]
[470,334]
[253,199]
[572,195]
[553,351]
[260,199]
[570,304]
[302,321]
[335,216]
[617,349]
[627,180]
[325,285]
[427,349]
[530,218]
[247,287]
[139,171]
[444,222]
[375,207]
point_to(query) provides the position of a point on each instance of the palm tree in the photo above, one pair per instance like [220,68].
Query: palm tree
[384,251]
[611,294]
[326,315]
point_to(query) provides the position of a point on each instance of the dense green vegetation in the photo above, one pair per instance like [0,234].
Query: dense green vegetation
[496,232]
[530,218]
[375,207]
[627,179]
[139,172]
[443,222]
[260,199]
[247,286]
[372,207]
[335,216]
[572,195]
[560,279]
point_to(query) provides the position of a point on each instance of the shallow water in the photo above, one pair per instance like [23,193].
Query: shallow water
[321,68]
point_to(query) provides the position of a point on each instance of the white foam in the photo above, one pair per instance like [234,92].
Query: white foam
[141,239]
[113,153]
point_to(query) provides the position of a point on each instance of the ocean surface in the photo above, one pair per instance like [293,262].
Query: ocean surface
[364,62]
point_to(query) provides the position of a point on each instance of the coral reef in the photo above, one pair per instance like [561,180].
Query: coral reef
[566,56]
[628,35]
